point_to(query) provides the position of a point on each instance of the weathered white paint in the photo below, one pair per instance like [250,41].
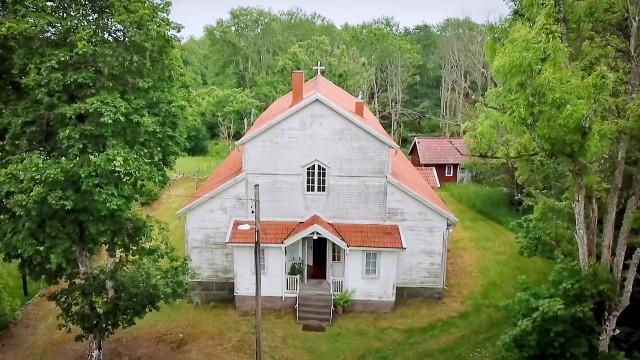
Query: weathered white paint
[382,287]
[272,279]
[359,190]
[337,268]
[207,227]
[422,230]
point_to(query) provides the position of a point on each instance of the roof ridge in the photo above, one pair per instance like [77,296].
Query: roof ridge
[456,147]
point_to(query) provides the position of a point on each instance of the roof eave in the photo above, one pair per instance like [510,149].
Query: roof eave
[234,180]
[299,106]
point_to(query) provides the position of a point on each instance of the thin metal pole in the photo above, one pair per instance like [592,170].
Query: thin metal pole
[258,274]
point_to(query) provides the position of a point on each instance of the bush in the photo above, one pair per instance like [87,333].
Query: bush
[8,305]
[343,299]
[488,201]
[557,320]
[548,231]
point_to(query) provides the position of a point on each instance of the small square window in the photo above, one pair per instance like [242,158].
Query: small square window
[448,171]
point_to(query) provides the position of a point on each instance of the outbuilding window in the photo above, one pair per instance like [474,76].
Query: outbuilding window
[448,171]
[316,178]
[371,263]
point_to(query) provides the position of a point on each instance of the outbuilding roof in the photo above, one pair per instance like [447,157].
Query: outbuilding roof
[406,174]
[384,236]
[430,175]
[440,150]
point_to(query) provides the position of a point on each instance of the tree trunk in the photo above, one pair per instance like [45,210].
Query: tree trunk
[563,22]
[593,228]
[612,203]
[95,347]
[581,233]
[611,315]
[84,265]
[625,228]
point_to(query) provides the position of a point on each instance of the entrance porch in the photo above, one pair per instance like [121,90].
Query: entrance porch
[314,264]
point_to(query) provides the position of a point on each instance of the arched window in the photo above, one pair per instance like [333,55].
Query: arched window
[316,178]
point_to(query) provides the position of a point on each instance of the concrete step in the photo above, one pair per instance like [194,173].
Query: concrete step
[314,310]
[314,299]
[304,317]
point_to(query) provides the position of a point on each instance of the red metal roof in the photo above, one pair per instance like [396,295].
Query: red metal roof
[354,235]
[371,235]
[404,172]
[438,150]
[272,232]
[401,168]
[316,220]
[429,173]
[329,90]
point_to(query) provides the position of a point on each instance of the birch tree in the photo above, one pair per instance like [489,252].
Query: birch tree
[465,76]
[569,106]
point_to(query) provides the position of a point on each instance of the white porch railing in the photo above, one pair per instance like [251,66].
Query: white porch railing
[337,285]
[292,284]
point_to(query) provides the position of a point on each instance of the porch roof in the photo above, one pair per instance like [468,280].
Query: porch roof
[354,235]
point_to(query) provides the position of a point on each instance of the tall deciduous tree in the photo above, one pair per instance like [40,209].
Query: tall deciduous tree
[89,123]
[567,76]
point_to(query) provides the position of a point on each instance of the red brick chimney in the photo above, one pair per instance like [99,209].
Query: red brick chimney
[360,107]
[297,84]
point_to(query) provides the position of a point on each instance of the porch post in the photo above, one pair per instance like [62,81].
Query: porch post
[305,248]
[345,272]
[284,271]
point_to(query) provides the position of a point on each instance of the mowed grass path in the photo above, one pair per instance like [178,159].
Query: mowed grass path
[483,267]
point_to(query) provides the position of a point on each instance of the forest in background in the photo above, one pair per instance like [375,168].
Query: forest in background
[420,80]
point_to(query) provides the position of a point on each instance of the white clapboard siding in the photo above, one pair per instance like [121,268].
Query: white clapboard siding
[316,133]
[347,198]
[271,281]
[207,227]
[382,287]
[422,230]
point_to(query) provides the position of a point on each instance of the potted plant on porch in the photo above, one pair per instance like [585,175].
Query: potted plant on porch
[342,300]
[297,267]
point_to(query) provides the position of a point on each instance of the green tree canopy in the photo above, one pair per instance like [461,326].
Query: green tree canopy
[89,123]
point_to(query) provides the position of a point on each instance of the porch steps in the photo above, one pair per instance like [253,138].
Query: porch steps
[314,309]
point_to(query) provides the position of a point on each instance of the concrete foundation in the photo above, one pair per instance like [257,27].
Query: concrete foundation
[211,290]
[248,303]
[419,292]
[371,306]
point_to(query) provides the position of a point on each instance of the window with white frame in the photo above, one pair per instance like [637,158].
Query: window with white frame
[263,262]
[448,171]
[371,263]
[336,253]
[316,178]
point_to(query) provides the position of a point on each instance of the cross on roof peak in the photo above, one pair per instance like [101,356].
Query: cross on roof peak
[319,68]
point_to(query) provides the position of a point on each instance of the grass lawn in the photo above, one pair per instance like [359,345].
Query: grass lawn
[12,286]
[490,202]
[483,266]
[202,165]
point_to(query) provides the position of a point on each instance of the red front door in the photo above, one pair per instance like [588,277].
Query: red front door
[319,268]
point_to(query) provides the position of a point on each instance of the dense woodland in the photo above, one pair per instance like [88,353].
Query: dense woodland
[547,98]
[420,80]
